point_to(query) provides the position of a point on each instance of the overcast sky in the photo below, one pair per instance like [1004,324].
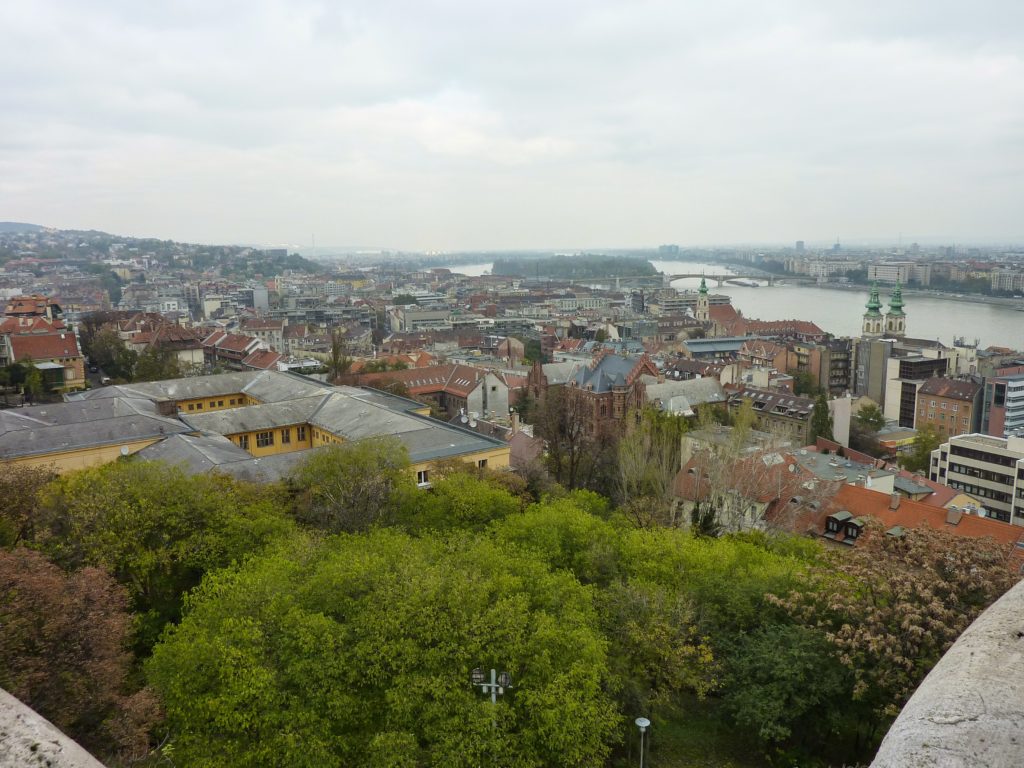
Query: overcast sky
[434,124]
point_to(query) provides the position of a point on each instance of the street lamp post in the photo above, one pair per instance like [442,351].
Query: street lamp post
[642,723]
[497,686]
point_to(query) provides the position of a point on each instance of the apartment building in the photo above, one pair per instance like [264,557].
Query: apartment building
[1004,405]
[951,406]
[988,468]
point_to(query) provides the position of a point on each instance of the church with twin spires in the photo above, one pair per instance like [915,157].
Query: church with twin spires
[893,324]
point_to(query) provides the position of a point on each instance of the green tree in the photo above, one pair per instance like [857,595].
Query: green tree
[785,681]
[335,652]
[352,486]
[926,440]
[821,419]
[870,416]
[157,363]
[403,299]
[805,385]
[155,529]
[462,501]
[109,352]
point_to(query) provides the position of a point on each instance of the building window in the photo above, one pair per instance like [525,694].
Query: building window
[942,406]
[199,406]
[220,403]
[482,463]
[264,439]
[931,403]
[213,403]
[965,421]
[300,433]
[423,477]
[243,441]
[286,436]
[956,407]
[191,407]
[231,401]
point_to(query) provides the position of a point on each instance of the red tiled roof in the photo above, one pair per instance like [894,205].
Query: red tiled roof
[26,325]
[864,502]
[50,346]
[954,389]
[262,359]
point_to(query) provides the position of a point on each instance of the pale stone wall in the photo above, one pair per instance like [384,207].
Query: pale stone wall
[29,739]
[969,711]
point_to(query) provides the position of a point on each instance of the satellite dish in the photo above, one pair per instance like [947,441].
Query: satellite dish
[473,423]
[124,450]
[463,418]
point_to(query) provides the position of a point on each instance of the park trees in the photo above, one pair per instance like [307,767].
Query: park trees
[337,652]
[352,486]
[156,363]
[154,529]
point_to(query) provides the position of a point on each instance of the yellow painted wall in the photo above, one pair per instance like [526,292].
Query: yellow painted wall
[279,446]
[68,461]
[218,403]
[497,458]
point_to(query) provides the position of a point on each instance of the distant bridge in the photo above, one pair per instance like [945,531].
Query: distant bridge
[718,279]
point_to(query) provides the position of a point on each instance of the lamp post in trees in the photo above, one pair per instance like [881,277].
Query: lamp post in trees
[642,723]
[497,686]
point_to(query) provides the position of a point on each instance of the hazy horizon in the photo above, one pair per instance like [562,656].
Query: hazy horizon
[453,127]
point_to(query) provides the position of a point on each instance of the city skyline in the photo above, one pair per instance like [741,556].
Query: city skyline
[459,127]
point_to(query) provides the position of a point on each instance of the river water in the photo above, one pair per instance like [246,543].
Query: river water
[840,311]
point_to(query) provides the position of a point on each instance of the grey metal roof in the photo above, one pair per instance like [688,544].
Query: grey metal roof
[560,373]
[94,432]
[251,418]
[195,453]
[695,391]
[266,386]
[611,371]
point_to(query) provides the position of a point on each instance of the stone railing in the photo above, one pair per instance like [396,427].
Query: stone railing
[29,739]
[969,711]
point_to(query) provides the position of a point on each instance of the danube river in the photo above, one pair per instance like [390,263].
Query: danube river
[839,311]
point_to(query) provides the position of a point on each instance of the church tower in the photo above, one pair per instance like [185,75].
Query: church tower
[895,318]
[703,312]
[872,325]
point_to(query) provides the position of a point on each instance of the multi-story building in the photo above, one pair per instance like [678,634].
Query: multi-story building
[891,271]
[608,389]
[904,377]
[1003,406]
[951,406]
[987,468]
[1007,280]
[780,413]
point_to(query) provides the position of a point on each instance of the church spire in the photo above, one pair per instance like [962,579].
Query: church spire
[896,318]
[872,325]
[896,300]
[703,286]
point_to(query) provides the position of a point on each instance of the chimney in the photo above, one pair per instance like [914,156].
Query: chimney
[894,501]
[953,516]
[515,422]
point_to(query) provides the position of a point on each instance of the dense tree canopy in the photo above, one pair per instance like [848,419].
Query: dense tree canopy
[155,529]
[338,652]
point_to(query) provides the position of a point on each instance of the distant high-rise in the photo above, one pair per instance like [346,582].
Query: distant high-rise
[799,246]
[668,250]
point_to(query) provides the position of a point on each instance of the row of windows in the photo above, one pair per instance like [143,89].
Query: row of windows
[215,404]
[266,439]
[981,493]
[986,456]
[981,474]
